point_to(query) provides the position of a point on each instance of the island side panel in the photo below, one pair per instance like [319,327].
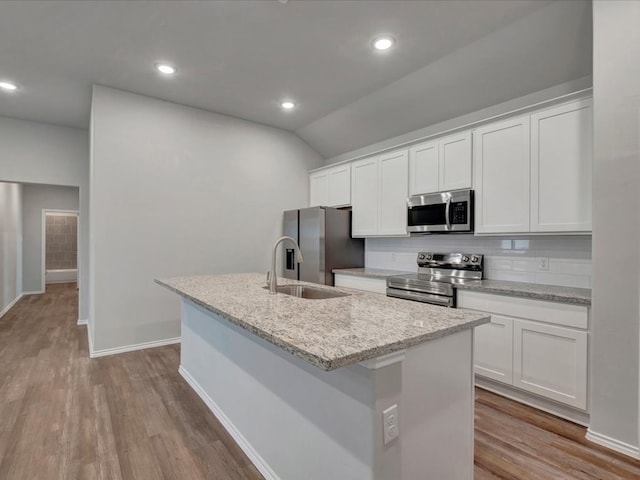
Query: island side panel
[292,419]
[437,416]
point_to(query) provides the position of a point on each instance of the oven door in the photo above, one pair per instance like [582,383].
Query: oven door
[441,212]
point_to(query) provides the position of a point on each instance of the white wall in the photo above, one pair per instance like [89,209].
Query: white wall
[547,47]
[33,152]
[10,244]
[34,199]
[513,258]
[615,403]
[573,89]
[179,191]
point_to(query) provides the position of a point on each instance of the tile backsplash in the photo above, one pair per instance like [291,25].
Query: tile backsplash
[568,257]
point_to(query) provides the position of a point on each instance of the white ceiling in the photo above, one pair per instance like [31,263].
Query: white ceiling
[242,58]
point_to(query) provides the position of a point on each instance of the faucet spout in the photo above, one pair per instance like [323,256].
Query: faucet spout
[271,277]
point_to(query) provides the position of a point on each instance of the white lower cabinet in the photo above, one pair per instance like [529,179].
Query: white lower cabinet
[551,361]
[374,285]
[536,346]
[493,353]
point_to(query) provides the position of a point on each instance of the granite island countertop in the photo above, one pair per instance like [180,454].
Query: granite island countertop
[329,333]
[534,291]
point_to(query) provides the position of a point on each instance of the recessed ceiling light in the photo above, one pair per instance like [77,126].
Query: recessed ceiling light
[8,86]
[383,43]
[166,68]
[288,105]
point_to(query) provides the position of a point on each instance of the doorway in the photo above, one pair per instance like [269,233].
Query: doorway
[59,246]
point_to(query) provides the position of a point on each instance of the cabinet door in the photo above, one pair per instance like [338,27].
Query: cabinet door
[393,190]
[423,168]
[551,361]
[561,163]
[455,162]
[493,349]
[319,189]
[502,176]
[340,186]
[364,197]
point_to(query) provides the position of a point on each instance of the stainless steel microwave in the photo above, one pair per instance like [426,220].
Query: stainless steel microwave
[442,212]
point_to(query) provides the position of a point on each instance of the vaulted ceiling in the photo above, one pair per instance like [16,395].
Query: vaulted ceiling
[242,58]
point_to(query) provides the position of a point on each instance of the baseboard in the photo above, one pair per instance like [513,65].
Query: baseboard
[130,348]
[90,339]
[8,307]
[83,321]
[535,401]
[35,292]
[613,444]
[262,466]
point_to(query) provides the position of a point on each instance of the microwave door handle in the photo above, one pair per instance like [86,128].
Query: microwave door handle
[446,213]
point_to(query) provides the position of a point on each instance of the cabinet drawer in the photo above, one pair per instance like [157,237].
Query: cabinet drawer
[576,316]
[551,361]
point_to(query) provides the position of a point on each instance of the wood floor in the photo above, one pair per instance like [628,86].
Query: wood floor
[64,416]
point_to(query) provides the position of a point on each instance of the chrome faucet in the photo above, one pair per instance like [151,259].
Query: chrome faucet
[272,280]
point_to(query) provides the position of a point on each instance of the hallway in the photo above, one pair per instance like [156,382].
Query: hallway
[64,416]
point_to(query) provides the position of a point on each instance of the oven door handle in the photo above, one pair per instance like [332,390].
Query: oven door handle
[447,211]
[421,297]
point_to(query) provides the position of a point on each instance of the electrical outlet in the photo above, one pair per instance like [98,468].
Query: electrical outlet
[543,263]
[390,423]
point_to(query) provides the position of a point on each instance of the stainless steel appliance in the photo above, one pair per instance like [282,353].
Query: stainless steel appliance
[442,212]
[324,236]
[438,273]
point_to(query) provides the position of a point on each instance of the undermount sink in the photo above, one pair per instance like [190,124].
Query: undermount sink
[310,293]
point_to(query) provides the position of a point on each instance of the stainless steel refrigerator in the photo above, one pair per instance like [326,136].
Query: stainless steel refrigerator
[324,236]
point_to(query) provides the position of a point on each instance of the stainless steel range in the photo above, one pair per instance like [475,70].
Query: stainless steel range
[436,277]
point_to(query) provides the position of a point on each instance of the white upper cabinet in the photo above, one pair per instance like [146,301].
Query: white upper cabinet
[455,162]
[424,169]
[393,190]
[440,165]
[364,197]
[502,164]
[330,187]
[319,188]
[340,186]
[379,195]
[561,163]
[533,173]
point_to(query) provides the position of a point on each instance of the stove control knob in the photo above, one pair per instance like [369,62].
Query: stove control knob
[474,259]
[465,259]
[421,256]
[428,257]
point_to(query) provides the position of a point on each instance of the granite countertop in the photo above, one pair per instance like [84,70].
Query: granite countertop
[535,291]
[369,272]
[551,293]
[329,333]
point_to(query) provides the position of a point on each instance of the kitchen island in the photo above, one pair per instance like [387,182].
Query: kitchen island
[302,384]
